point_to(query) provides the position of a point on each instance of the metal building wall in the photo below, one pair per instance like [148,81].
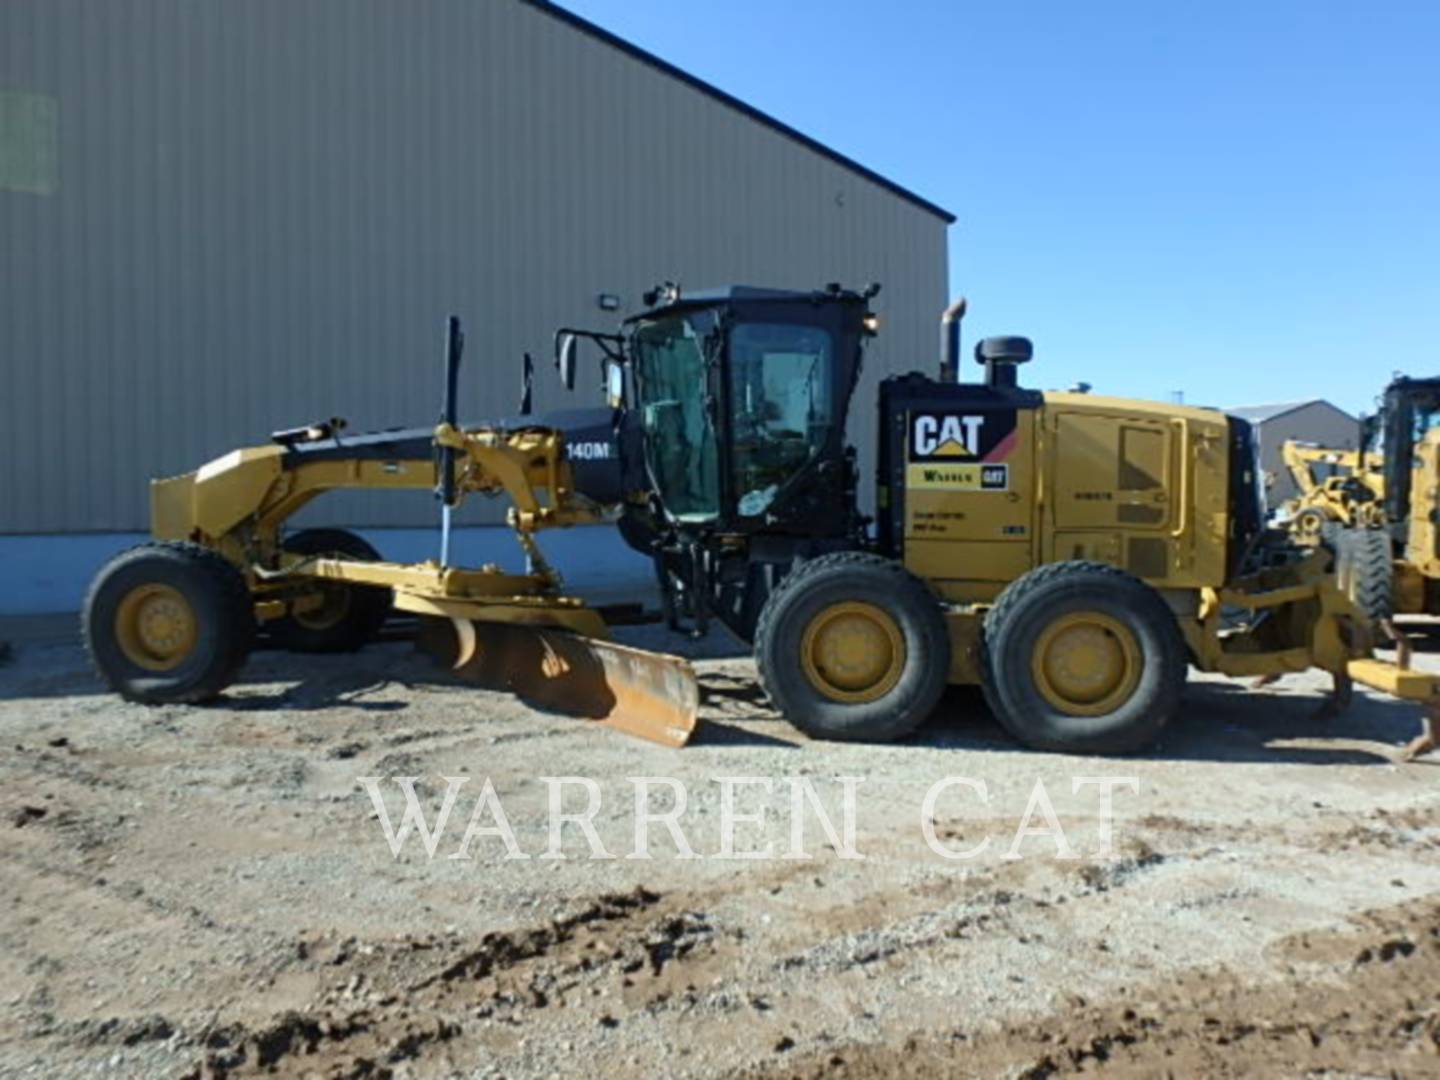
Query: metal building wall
[258,213]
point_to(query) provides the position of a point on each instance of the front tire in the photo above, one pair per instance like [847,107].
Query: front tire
[350,615]
[1081,657]
[1365,570]
[168,623]
[853,647]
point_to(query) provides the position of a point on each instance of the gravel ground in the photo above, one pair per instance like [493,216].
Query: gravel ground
[194,892]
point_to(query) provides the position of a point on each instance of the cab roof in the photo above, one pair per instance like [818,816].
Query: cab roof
[729,294]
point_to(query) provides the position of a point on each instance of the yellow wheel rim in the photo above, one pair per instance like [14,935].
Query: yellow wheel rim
[1086,663]
[334,606]
[853,652]
[156,627]
[1309,523]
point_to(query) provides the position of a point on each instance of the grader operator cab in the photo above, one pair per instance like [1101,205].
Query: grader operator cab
[1067,552]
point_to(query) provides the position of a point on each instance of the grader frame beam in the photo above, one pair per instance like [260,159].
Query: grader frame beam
[257,489]
[237,504]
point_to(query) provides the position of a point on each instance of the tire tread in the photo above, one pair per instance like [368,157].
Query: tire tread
[905,584]
[1044,578]
[1365,567]
[236,607]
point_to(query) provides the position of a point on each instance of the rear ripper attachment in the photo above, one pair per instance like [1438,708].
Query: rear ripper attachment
[173,620]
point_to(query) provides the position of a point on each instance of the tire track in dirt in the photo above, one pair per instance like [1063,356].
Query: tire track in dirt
[387,1003]
[1362,1000]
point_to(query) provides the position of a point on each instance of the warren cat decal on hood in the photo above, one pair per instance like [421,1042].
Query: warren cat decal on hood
[961,436]
[960,450]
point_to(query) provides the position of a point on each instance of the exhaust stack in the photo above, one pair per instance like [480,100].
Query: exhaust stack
[950,341]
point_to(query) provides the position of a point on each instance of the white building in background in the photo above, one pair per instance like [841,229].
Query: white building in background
[219,219]
[1315,421]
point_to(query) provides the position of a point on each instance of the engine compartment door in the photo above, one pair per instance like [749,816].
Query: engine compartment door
[1113,472]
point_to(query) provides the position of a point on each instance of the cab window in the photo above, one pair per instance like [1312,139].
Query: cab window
[675,416]
[781,406]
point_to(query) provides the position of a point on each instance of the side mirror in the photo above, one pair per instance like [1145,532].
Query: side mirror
[565,348]
[614,385]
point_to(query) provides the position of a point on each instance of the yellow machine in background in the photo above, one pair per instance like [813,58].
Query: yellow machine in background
[1336,487]
[1071,554]
[1379,509]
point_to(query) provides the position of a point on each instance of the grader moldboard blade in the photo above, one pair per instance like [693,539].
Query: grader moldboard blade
[650,695]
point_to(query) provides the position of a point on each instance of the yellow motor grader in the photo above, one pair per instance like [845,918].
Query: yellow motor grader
[1344,488]
[1069,553]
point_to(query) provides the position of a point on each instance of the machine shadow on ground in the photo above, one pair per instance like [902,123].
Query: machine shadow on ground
[1219,721]
[51,670]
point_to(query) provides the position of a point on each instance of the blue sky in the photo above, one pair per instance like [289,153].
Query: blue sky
[1236,200]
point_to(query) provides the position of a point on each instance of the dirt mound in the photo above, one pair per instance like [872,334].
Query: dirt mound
[1360,1002]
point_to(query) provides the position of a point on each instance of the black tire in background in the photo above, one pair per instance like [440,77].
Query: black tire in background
[1093,610]
[352,614]
[168,623]
[872,600]
[1365,570]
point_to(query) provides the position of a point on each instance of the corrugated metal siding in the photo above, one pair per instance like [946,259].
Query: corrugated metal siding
[264,210]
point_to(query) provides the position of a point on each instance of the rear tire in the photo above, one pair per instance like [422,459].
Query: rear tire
[1365,570]
[853,647]
[1081,657]
[351,615]
[168,623]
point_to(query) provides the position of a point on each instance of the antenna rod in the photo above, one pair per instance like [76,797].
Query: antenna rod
[445,488]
